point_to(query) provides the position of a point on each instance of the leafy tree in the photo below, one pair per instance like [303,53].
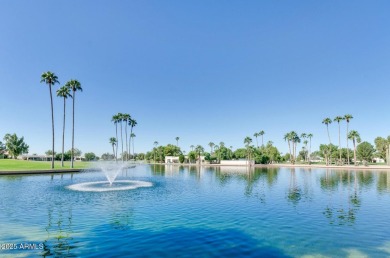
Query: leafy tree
[64,93]
[381,145]
[240,153]
[15,145]
[50,79]
[181,158]
[348,118]
[326,151]
[355,137]
[74,153]
[107,156]
[365,151]
[2,149]
[50,153]
[172,150]
[141,156]
[73,85]
[192,156]
[272,152]
[89,156]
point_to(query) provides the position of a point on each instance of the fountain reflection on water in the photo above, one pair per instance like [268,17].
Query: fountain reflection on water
[111,170]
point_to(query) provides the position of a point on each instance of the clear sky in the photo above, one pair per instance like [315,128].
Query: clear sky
[201,70]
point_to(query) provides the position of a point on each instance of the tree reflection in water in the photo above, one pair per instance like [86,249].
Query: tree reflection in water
[344,213]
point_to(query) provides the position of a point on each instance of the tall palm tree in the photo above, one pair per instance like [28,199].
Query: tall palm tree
[310,135]
[355,137]
[132,123]
[294,139]
[287,138]
[305,142]
[256,135]
[338,119]
[63,92]
[348,118]
[132,140]
[192,147]
[247,142]
[211,144]
[221,144]
[50,79]
[74,85]
[120,119]
[126,118]
[177,141]
[261,133]
[304,136]
[216,148]
[116,119]
[155,146]
[327,121]
[113,142]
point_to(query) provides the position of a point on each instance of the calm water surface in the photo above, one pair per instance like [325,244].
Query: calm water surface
[200,212]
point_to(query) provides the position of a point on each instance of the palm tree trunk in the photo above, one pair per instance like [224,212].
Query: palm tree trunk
[309,152]
[131,132]
[122,141]
[52,127]
[347,146]
[113,150]
[257,144]
[63,136]
[354,152]
[72,156]
[127,149]
[327,129]
[116,133]
[339,143]
[262,142]
[289,149]
[133,149]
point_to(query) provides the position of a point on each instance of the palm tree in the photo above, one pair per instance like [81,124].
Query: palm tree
[126,118]
[113,142]
[261,133]
[305,142]
[247,142]
[192,147]
[310,135]
[50,79]
[116,119]
[355,137]
[63,92]
[155,146]
[199,149]
[287,138]
[304,136]
[177,141]
[221,144]
[338,119]
[132,137]
[348,118]
[132,124]
[74,85]
[216,148]
[211,144]
[294,139]
[120,119]
[256,135]
[327,121]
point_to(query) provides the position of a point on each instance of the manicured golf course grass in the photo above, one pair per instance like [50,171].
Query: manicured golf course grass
[15,165]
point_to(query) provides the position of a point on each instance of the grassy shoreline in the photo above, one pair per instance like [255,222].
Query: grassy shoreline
[23,165]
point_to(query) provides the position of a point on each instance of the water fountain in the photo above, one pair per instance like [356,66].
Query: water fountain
[111,171]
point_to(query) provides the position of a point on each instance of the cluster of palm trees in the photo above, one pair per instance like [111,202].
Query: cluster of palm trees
[64,92]
[121,118]
[293,139]
[353,135]
[261,133]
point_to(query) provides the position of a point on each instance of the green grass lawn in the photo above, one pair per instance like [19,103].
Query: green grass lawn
[14,165]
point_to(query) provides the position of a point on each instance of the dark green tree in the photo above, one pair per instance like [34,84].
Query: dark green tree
[15,145]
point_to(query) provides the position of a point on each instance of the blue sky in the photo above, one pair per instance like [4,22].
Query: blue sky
[201,70]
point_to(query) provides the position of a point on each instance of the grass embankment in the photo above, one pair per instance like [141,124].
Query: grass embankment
[15,165]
